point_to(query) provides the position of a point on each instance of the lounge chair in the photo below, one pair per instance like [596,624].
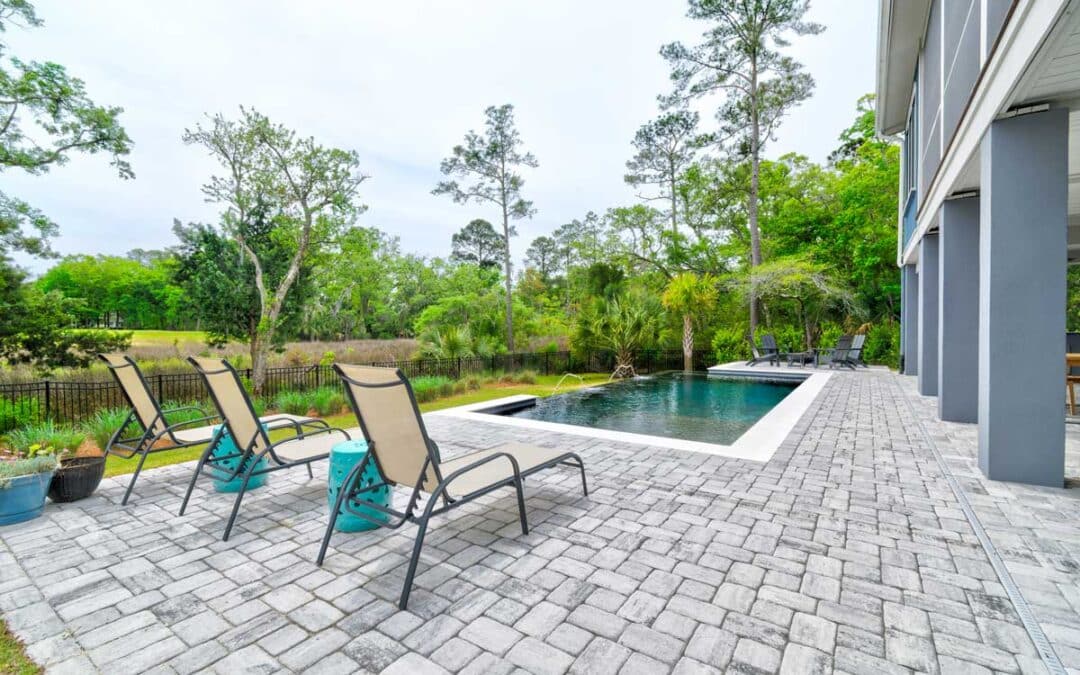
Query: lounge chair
[838,355]
[311,443]
[157,432]
[404,454]
[854,356]
[769,352]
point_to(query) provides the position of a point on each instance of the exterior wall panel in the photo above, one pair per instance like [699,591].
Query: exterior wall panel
[930,98]
[962,61]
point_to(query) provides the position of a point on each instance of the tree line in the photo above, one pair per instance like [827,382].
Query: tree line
[719,242]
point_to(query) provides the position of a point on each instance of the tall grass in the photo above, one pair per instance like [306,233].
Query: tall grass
[60,437]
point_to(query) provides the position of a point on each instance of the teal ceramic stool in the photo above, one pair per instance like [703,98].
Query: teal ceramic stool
[343,457]
[226,446]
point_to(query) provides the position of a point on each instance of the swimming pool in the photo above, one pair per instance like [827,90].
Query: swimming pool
[688,406]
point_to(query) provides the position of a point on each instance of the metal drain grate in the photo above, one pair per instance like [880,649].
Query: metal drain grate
[1023,609]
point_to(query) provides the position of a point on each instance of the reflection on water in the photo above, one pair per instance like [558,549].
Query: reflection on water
[692,407]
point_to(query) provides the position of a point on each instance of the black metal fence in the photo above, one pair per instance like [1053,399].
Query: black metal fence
[64,401]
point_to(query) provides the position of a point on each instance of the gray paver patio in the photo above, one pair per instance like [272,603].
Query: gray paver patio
[847,552]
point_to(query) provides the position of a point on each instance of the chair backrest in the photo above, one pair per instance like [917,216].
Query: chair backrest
[768,344]
[232,403]
[390,420]
[842,349]
[136,391]
[857,343]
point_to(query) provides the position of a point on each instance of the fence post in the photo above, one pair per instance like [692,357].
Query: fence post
[160,388]
[547,363]
[48,399]
[318,372]
[458,368]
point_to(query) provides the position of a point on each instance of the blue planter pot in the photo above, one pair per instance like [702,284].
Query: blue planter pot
[24,498]
[343,457]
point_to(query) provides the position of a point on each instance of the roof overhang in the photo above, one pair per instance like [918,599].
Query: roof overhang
[901,26]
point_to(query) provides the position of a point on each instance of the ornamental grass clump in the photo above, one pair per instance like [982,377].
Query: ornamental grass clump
[27,466]
[63,439]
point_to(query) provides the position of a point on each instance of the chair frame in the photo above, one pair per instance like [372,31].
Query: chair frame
[248,454]
[351,490]
[840,354]
[771,354]
[143,444]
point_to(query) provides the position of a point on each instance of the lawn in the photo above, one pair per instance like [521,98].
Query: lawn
[544,386]
[13,658]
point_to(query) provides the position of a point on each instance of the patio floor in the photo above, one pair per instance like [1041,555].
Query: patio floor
[847,551]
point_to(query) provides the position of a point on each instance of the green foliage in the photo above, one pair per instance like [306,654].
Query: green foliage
[19,412]
[292,402]
[625,326]
[430,387]
[480,244]
[883,344]
[730,344]
[325,401]
[62,438]
[11,469]
[104,424]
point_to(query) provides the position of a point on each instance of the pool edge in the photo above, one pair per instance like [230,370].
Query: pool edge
[758,443]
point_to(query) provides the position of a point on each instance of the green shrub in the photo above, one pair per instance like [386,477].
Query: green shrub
[430,387]
[472,383]
[292,402]
[11,469]
[20,412]
[327,401]
[730,344]
[62,437]
[526,377]
[187,411]
[883,344]
[104,424]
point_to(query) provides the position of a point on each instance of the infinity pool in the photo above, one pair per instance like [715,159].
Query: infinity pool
[693,407]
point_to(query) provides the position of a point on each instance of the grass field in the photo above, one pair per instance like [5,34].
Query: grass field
[150,338]
[544,386]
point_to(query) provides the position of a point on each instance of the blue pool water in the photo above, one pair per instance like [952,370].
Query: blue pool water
[693,407]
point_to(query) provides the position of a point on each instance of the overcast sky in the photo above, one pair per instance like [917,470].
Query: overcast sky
[399,82]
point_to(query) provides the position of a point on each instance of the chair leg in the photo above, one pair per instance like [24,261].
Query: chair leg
[239,497]
[134,477]
[309,473]
[344,489]
[195,477]
[521,506]
[1072,396]
[421,530]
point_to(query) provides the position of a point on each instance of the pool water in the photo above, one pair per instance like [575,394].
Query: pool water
[690,406]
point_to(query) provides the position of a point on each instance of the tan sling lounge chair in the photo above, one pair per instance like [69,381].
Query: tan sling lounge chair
[157,433]
[250,436]
[404,454]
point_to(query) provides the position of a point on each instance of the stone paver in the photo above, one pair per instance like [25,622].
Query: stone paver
[847,551]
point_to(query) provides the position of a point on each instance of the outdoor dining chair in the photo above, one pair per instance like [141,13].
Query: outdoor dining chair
[149,429]
[403,454]
[255,454]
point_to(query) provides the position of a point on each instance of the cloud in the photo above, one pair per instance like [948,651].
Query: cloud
[399,82]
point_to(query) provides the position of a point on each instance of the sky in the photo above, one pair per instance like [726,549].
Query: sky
[401,83]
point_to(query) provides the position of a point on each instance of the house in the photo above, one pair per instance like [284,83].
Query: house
[985,95]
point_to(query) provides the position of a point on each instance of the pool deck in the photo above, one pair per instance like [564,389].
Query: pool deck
[847,551]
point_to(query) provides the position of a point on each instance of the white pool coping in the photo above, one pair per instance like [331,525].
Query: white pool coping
[758,443]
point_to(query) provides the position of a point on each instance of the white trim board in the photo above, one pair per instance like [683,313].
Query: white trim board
[758,443]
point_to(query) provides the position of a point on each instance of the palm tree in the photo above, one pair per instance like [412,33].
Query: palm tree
[691,297]
[624,327]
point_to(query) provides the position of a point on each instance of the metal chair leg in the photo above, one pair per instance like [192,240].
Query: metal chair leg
[239,497]
[421,530]
[194,478]
[134,477]
[344,489]
[521,505]
[309,473]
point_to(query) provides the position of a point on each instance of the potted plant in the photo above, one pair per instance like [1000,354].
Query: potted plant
[77,477]
[23,485]
[81,462]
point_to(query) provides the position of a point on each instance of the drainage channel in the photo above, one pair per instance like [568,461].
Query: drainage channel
[1023,609]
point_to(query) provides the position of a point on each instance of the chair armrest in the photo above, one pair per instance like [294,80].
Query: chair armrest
[478,463]
[291,439]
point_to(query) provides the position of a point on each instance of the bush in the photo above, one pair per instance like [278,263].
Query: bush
[292,402]
[327,401]
[20,412]
[730,344]
[883,344]
[104,424]
[62,437]
[430,387]
[25,467]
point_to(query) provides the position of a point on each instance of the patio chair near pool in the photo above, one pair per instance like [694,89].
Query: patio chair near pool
[148,428]
[769,352]
[840,355]
[404,454]
[255,453]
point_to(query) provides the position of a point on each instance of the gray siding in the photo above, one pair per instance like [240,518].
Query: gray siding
[962,60]
[930,99]
[996,11]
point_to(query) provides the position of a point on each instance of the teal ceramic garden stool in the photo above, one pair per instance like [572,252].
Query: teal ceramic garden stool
[343,457]
[226,446]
